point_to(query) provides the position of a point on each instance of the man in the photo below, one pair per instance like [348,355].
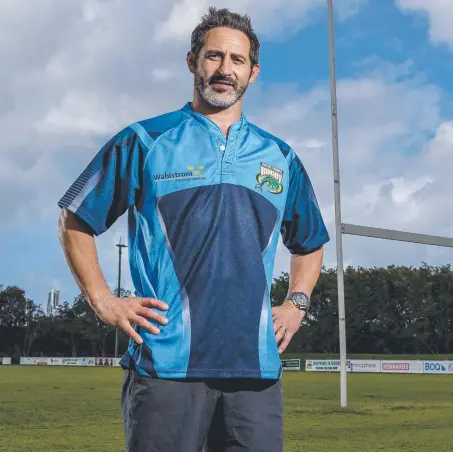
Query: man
[208,194]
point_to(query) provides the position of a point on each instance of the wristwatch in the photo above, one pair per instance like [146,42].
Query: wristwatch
[300,300]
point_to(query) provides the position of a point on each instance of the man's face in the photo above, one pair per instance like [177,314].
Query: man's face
[223,68]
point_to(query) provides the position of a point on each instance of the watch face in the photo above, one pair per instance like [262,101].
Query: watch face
[300,299]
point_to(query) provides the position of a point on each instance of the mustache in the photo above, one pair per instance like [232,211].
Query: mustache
[221,79]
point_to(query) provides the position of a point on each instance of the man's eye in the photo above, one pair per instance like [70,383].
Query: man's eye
[213,56]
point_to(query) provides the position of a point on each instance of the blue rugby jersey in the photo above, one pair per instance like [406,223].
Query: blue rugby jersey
[205,213]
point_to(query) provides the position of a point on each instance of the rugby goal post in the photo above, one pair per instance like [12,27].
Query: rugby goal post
[356,230]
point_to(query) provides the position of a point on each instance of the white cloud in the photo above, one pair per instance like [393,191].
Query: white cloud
[403,191]
[396,156]
[270,17]
[346,9]
[439,13]
[310,144]
[163,74]
[77,113]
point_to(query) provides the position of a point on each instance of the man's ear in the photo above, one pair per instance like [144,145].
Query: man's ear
[254,73]
[191,63]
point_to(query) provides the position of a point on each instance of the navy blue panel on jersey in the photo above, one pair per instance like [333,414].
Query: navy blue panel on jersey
[303,229]
[140,359]
[146,359]
[218,235]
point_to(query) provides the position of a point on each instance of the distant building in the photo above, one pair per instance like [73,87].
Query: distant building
[53,302]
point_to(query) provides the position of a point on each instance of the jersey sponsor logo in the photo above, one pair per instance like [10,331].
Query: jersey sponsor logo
[193,172]
[270,178]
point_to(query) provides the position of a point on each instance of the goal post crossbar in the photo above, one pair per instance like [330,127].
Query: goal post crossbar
[394,235]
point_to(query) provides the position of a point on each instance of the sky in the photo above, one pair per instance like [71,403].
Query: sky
[75,73]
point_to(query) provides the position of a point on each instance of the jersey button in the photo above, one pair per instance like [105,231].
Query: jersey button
[222,147]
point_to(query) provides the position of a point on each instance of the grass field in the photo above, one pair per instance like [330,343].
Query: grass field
[77,409]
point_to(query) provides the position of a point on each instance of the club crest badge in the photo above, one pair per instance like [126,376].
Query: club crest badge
[270,178]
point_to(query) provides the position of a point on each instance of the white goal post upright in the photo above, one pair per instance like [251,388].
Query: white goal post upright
[356,230]
[338,235]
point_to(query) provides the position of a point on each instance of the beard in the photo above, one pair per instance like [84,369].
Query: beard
[224,98]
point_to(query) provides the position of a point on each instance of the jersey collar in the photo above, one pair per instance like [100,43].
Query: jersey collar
[210,125]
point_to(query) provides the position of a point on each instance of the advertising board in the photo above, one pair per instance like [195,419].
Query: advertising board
[291,364]
[438,367]
[55,361]
[363,366]
[383,366]
[86,361]
[401,366]
[78,361]
[58,361]
[73,361]
[106,361]
[5,360]
[355,366]
[34,360]
[322,365]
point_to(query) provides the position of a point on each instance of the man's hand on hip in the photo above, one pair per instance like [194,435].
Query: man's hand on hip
[287,319]
[124,311]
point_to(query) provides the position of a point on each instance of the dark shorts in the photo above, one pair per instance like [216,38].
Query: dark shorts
[197,415]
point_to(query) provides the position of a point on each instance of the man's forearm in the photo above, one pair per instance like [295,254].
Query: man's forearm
[80,251]
[287,318]
[305,271]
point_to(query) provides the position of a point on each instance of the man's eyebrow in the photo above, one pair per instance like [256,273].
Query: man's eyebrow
[240,56]
[233,54]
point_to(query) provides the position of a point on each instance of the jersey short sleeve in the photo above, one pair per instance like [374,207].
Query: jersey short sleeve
[110,184]
[303,229]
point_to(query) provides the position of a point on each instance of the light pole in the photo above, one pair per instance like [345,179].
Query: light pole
[118,293]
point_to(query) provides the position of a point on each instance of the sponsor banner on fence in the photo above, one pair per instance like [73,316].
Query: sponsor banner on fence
[58,361]
[25,361]
[401,366]
[291,364]
[73,361]
[34,360]
[363,366]
[55,361]
[355,366]
[87,361]
[5,360]
[78,361]
[383,366]
[438,367]
[107,361]
[322,365]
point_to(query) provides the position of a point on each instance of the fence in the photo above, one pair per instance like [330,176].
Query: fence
[383,366]
[313,365]
[70,361]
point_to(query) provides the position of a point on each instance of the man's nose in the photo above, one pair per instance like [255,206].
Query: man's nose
[226,67]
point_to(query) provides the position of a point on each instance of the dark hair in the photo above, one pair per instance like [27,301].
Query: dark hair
[224,18]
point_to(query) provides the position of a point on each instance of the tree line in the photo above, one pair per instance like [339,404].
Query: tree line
[392,310]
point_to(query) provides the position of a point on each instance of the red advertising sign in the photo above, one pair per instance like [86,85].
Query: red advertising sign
[402,366]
